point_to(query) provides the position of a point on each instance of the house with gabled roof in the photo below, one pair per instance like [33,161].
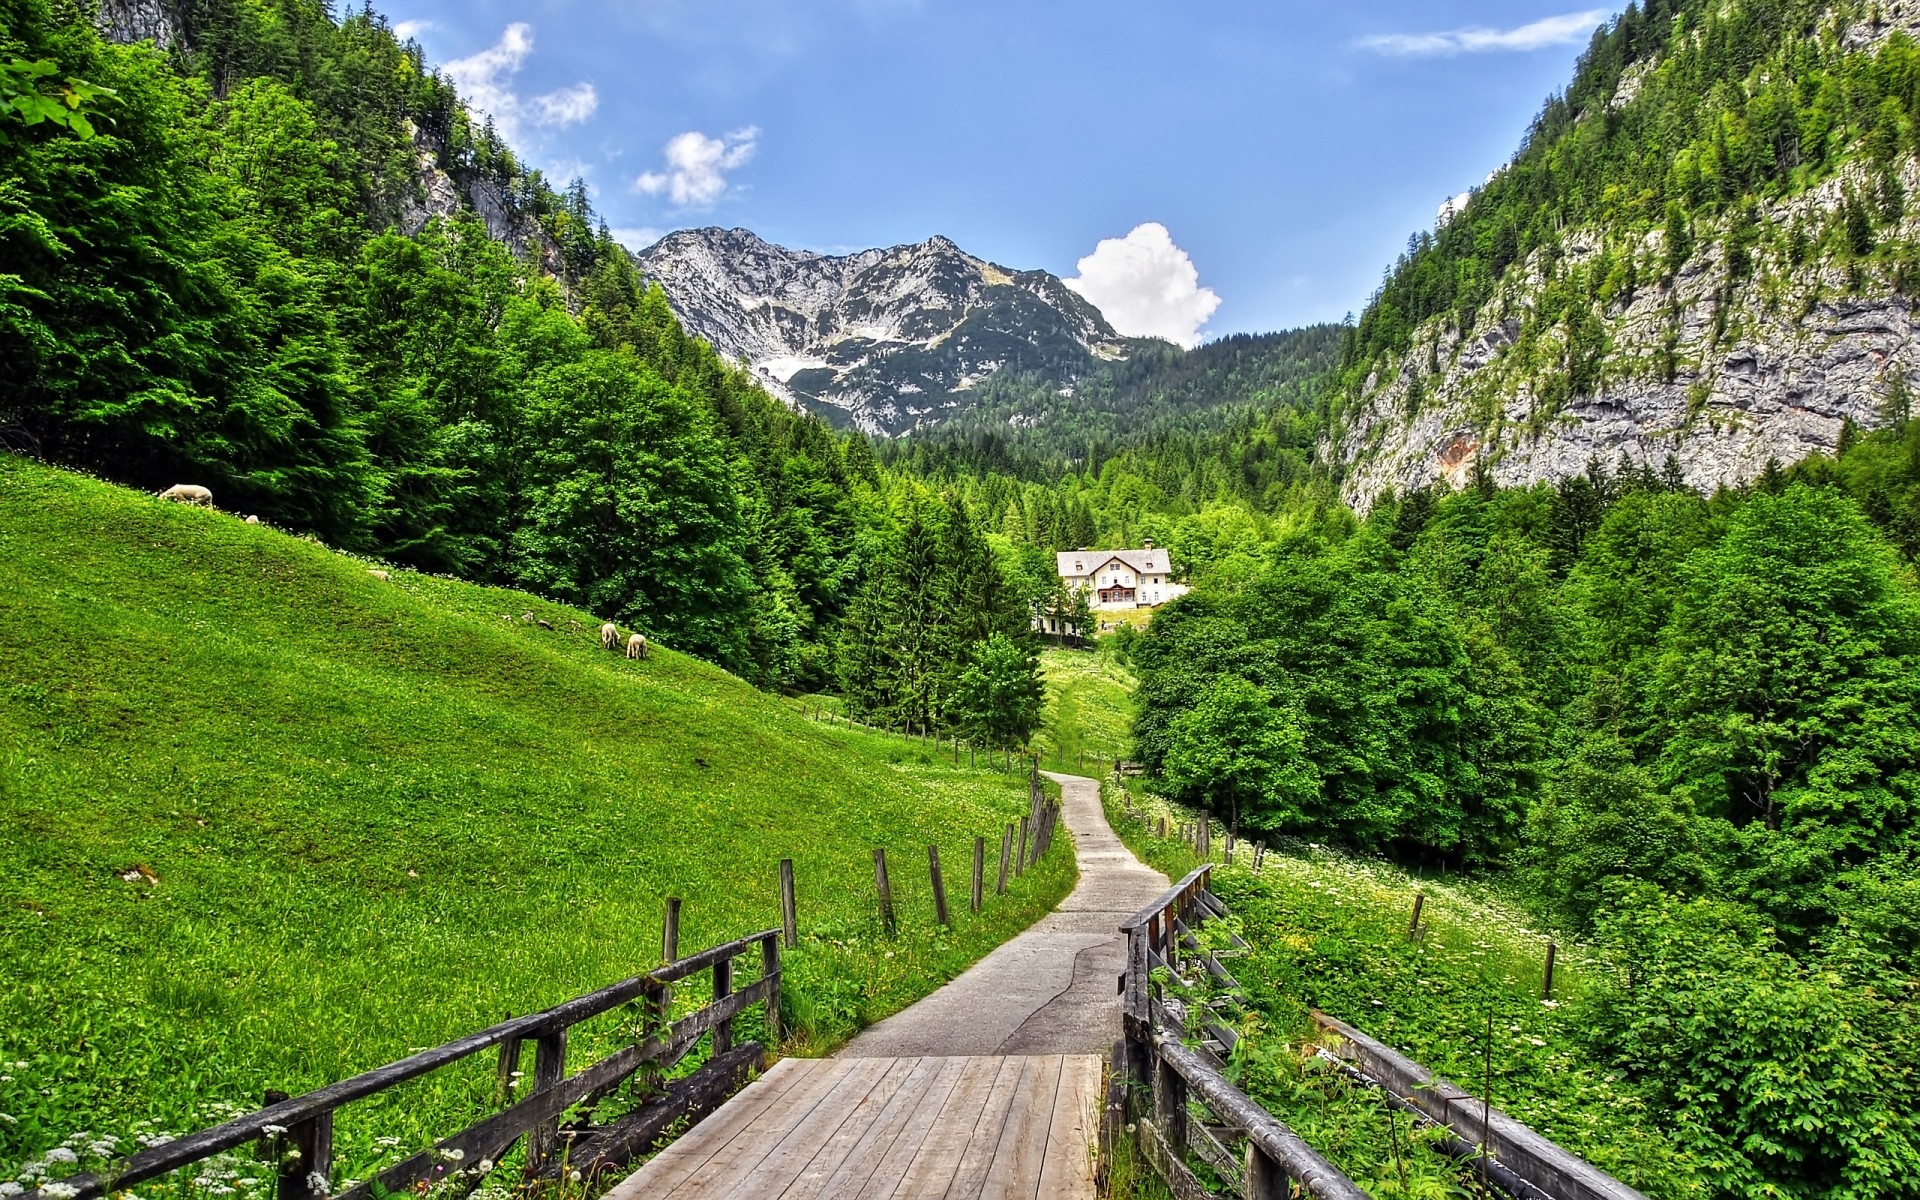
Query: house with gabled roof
[1120,579]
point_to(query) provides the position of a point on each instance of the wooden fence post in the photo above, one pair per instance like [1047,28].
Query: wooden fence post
[1265,1179]
[549,1068]
[1006,852]
[1546,991]
[670,931]
[722,988]
[886,892]
[305,1154]
[789,907]
[770,969]
[939,886]
[979,872]
[508,1070]
[1020,864]
[1413,926]
[1170,1104]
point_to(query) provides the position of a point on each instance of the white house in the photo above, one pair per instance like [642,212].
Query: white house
[1120,579]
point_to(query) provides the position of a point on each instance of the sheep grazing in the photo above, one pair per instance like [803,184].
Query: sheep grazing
[189,493]
[253,520]
[610,637]
[546,625]
[382,576]
[636,647]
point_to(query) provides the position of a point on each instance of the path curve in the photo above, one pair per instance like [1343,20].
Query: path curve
[1052,989]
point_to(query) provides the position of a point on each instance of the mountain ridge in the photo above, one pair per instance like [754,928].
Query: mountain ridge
[888,339]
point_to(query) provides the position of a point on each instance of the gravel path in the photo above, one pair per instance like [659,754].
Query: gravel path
[1052,989]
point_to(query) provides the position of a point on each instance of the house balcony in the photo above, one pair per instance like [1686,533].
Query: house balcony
[1117,595]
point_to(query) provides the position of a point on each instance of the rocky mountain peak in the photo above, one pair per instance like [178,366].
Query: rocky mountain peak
[885,339]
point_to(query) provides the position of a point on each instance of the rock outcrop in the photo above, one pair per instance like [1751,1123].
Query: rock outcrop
[1720,366]
[888,340]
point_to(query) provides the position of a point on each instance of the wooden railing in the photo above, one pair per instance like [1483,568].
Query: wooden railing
[1158,1064]
[1165,1078]
[297,1131]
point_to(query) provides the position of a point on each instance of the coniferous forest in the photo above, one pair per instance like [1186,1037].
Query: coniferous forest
[1681,727]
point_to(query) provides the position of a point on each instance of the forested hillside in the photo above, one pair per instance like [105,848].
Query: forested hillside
[1682,727]
[222,264]
[1705,249]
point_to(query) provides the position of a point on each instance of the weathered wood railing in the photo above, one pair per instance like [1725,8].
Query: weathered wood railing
[1158,1064]
[1166,1076]
[298,1130]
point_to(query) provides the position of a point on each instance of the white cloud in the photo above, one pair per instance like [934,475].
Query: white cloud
[485,80]
[1146,286]
[697,167]
[1453,208]
[407,31]
[1478,39]
[637,239]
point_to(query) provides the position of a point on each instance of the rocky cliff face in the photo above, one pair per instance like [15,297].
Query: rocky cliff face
[130,21]
[1720,366]
[888,340]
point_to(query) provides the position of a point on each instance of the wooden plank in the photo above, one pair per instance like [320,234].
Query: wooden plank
[984,1141]
[1015,1174]
[791,1154]
[1067,1168]
[891,1166]
[863,1159]
[932,1167]
[665,1170]
[745,1150]
[858,1128]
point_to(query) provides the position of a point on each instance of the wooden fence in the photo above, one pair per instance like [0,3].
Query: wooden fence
[1164,1080]
[297,1132]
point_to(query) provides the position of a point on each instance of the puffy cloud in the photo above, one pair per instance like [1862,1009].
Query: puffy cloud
[1453,207]
[407,31]
[1146,286]
[697,167]
[485,80]
[1535,35]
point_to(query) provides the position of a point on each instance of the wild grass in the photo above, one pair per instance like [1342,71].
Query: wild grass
[1089,708]
[267,821]
[1331,932]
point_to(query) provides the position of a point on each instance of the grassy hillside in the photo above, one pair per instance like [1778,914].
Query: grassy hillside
[266,819]
[1329,932]
[1089,707]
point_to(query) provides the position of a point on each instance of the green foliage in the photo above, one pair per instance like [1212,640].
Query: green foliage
[998,698]
[1240,739]
[73,104]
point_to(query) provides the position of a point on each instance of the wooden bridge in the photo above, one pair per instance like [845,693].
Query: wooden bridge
[982,1128]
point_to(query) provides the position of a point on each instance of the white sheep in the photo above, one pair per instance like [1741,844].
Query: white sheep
[253,520]
[382,576]
[610,637]
[636,647]
[190,493]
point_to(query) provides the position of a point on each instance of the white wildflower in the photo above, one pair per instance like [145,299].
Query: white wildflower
[59,1191]
[273,1130]
[573,1176]
[1538,1041]
[61,1154]
[318,1184]
[485,1165]
[10,1188]
[249,1183]
[387,1142]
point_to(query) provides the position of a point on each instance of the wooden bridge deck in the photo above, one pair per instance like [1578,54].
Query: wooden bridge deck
[990,1128]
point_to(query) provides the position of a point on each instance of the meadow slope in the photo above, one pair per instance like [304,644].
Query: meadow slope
[266,819]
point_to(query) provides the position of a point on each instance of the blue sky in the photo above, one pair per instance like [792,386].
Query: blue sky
[1287,149]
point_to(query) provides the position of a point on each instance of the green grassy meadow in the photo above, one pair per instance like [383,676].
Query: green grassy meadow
[1330,932]
[267,820]
[1089,708]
